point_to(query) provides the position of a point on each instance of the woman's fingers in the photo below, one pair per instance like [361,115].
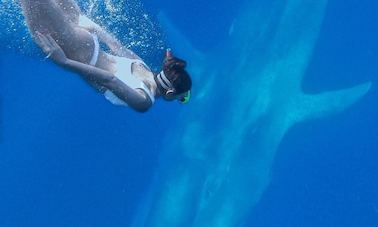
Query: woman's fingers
[38,39]
[50,47]
[52,41]
[47,43]
[43,42]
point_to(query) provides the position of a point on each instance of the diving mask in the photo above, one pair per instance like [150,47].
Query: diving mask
[167,85]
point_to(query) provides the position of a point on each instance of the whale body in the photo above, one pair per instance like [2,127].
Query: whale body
[216,170]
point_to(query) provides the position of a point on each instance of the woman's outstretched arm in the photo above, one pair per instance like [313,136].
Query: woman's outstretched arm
[136,99]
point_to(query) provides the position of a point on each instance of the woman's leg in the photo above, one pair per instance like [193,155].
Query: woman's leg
[71,9]
[47,17]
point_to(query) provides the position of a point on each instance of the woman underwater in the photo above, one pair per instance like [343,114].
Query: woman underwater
[72,40]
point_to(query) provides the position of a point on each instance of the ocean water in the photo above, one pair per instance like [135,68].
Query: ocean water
[70,158]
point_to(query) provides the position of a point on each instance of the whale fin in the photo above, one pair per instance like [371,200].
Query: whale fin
[320,105]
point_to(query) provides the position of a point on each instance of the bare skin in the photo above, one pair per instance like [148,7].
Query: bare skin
[55,26]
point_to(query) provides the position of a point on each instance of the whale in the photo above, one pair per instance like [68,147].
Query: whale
[215,171]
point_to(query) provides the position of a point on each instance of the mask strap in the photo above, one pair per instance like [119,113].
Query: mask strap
[164,82]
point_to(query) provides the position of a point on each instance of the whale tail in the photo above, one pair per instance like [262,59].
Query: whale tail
[315,106]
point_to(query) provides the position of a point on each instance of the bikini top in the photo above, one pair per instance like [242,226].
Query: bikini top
[125,74]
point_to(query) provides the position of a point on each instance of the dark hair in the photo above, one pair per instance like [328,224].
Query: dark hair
[174,70]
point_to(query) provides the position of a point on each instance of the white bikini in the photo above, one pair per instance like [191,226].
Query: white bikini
[123,66]
[96,50]
[123,73]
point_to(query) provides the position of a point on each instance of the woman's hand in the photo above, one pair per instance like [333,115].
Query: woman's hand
[51,48]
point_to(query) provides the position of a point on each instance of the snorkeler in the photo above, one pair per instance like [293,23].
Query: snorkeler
[72,41]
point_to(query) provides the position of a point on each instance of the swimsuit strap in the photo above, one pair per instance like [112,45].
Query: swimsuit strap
[96,50]
[124,73]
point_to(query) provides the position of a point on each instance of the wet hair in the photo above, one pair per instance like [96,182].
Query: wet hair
[174,70]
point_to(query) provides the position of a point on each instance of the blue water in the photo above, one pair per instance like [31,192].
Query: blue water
[69,158]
